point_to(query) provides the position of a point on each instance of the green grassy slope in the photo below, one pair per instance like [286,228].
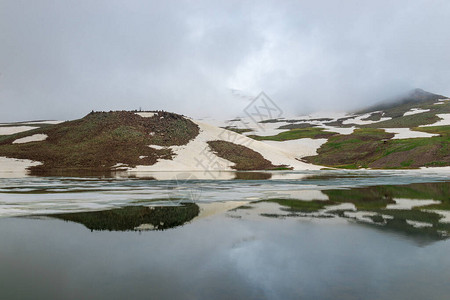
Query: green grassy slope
[373,148]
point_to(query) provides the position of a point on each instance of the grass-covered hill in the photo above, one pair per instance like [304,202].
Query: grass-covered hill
[374,148]
[101,140]
[370,145]
[396,109]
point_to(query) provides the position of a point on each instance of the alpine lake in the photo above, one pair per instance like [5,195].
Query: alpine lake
[328,234]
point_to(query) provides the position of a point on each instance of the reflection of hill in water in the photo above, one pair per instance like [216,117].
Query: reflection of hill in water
[377,206]
[134,217]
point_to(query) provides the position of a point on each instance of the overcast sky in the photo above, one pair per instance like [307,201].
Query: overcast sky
[60,59]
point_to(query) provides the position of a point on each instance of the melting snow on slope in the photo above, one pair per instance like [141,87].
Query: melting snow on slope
[301,147]
[445,121]
[11,167]
[31,138]
[406,133]
[197,156]
[146,114]
[15,129]
[414,111]
[359,120]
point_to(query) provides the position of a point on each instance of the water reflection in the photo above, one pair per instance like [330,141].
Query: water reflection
[418,210]
[134,218]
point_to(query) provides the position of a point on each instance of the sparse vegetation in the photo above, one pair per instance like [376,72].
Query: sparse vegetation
[406,121]
[243,157]
[373,148]
[237,130]
[295,134]
[296,126]
[101,140]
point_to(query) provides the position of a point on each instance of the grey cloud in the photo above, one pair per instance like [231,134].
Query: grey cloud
[61,59]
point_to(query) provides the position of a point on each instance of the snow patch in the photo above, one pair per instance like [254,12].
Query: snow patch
[12,167]
[52,122]
[406,133]
[146,114]
[445,121]
[414,111]
[197,156]
[359,119]
[157,147]
[31,138]
[301,147]
[15,129]
[340,130]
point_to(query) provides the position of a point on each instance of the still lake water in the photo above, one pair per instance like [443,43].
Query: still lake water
[293,235]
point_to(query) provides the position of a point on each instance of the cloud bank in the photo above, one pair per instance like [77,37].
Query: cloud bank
[62,59]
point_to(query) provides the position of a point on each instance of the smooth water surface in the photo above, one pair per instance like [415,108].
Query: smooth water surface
[323,235]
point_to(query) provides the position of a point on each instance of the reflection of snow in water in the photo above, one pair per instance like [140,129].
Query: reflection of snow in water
[401,203]
[363,216]
[418,224]
[41,195]
[304,195]
[445,215]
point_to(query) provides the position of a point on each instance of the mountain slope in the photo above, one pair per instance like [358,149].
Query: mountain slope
[397,106]
[135,141]
[101,140]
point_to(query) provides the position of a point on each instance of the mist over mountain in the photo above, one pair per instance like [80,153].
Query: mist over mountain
[415,96]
